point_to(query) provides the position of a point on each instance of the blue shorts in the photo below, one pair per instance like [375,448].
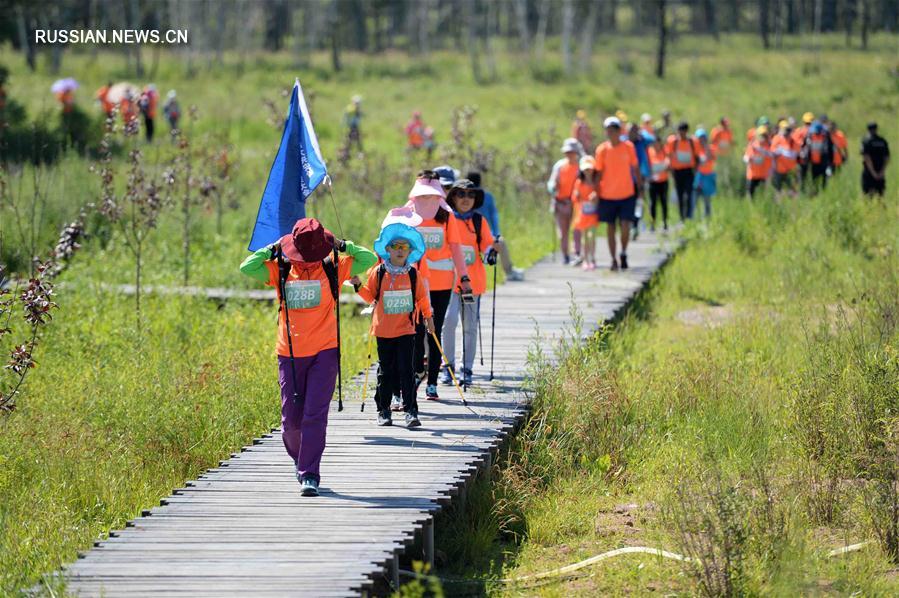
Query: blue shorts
[611,210]
[706,184]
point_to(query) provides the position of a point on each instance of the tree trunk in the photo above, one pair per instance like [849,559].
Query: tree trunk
[865,22]
[849,10]
[521,18]
[587,34]
[567,25]
[711,20]
[542,22]
[764,23]
[24,39]
[472,39]
[735,15]
[792,24]
[663,38]
[424,15]
[488,32]
[134,23]
[334,26]
[637,23]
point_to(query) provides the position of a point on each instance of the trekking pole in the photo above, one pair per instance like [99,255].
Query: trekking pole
[281,288]
[452,375]
[480,337]
[462,318]
[333,203]
[493,323]
[367,368]
[339,364]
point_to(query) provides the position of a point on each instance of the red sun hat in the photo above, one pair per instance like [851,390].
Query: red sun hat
[308,242]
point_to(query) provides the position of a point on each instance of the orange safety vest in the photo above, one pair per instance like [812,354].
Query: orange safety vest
[786,153]
[683,153]
[840,146]
[817,144]
[721,139]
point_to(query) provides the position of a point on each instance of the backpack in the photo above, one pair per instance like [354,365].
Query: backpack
[413,280]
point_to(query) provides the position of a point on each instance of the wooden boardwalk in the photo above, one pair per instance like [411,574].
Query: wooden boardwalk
[243,529]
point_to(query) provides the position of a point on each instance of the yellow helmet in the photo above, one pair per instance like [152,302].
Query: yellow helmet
[783,124]
[763,130]
[808,117]
[581,114]
[622,115]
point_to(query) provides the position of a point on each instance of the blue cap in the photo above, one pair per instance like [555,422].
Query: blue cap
[447,175]
[397,230]
[700,133]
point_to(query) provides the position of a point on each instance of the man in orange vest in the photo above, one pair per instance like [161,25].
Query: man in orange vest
[799,136]
[561,186]
[684,153]
[786,155]
[818,150]
[758,160]
[620,183]
[840,146]
[722,138]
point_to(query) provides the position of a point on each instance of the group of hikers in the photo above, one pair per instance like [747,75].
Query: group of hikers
[607,183]
[419,136]
[129,102]
[426,275]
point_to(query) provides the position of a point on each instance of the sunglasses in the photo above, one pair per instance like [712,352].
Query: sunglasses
[469,194]
[399,245]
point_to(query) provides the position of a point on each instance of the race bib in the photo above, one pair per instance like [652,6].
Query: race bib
[684,157]
[589,208]
[469,254]
[723,144]
[658,167]
[397,302]
[817,146]
[758,159]
[303,294]
[433,236]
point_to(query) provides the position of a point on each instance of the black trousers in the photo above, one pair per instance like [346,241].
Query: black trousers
[819,175]
[395,375]
[658,194]
[752,186]
[683,186]
[439,302]
[149,127]
[872,186]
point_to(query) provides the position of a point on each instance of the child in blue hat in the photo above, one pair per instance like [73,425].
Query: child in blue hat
[399,293]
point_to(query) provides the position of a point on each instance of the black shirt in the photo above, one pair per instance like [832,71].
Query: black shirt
[877,148]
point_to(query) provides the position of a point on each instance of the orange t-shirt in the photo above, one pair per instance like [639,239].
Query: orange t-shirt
[567,177]
[683,153]
[840,145]
[313,325]
[658,164]
[473,253]
[398,307]
[708,167]
[785,153]
[758,164]
[721,139]
[438,256]
[617,164]
[586,210]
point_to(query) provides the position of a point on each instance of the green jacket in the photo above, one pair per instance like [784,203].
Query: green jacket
[254,265]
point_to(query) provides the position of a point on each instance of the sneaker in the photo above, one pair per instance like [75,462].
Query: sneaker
[577,261]
[466,378]
[396,403]
[614,267]
[431,392]
[566,260]
[384,418]
[624,261]
[447,377]
[412,420]
[592,266]
[308,486]
[585,266]
[516,275]
[652,228]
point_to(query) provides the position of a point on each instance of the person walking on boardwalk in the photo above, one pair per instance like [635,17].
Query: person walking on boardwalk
[307,272]
[705,185]
[400,296]
[785,151]
[683,154]
[758,159]
[477,246]
[491,213]
[445,263]
[586,210]
[560,186]
[658,182]
[619,184]
[580,130]
[875,158]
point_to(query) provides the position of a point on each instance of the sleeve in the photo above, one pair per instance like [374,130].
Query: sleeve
[255,266]
[369,288]
[363,259]
[554,178]
[600,158]
[633,156]
[864,148]
[423,301]
[487,238]
[490,212]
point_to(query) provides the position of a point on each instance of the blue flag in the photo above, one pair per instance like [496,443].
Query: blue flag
[297,170]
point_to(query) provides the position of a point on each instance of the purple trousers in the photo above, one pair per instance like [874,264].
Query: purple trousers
[304,420]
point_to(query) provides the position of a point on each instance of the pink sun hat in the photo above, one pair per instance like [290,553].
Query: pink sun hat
[424,187]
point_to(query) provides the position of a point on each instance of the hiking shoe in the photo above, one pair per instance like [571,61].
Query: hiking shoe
[384,418]
[396,403]
[308,486]
[566,260]
[412,420]
[516,275]
[614,267]
[431,392]
[577,261]
[624,261]
[466,377]
[447,377]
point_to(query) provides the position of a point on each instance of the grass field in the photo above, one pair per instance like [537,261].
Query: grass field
[113,418]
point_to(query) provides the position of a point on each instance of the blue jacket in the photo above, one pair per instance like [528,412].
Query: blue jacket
[489,211]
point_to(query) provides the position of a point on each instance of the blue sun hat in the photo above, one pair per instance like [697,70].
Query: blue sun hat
[400,223]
